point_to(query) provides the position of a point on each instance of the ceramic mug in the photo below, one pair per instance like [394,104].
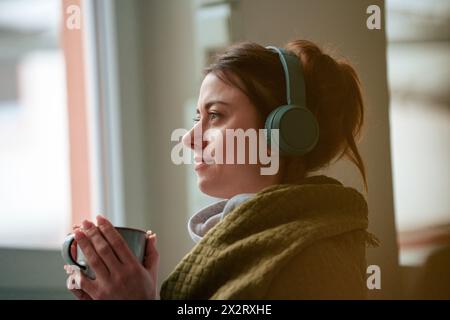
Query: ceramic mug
[135,239]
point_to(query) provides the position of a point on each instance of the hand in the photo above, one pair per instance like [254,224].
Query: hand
[119,275]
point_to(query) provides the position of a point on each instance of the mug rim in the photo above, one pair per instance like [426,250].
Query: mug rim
[133,229]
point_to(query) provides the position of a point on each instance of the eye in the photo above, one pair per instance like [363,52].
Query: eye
[211,115]
[214,115]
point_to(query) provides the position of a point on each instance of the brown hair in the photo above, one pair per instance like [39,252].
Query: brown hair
[333,94]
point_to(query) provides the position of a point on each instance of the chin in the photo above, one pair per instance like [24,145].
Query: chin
[211,188]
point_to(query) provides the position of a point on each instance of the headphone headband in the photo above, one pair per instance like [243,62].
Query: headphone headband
[295,82]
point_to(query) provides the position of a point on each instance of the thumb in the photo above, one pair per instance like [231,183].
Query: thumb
[151,257]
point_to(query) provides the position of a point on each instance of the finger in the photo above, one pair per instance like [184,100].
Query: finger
[101,246]
[72,282]
[85,284]
[69,268]
[94,261]
[151,257]
[73,250]
[80,294]
[73,246]
[116,241]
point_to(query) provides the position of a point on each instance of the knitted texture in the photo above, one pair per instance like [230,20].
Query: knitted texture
[240,257]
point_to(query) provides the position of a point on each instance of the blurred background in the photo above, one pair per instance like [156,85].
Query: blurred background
[91,90]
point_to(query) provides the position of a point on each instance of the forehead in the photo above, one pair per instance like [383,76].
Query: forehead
[213,88]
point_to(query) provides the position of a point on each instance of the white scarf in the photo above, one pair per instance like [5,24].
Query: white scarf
[206,218]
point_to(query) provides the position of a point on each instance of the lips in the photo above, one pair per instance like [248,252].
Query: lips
[200,165]
[201,162]
[198,160]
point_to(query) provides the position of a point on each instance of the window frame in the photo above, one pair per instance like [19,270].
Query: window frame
[116,152]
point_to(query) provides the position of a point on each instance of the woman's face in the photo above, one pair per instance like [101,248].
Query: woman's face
[220,107]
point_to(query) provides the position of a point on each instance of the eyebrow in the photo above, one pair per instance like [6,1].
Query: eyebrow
[211,103]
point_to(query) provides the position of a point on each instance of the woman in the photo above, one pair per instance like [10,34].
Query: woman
[291,235]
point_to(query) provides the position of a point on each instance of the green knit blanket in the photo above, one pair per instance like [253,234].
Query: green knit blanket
[238,257]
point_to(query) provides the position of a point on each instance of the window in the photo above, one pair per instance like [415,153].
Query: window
[418,60]
[63,149]
[34,150]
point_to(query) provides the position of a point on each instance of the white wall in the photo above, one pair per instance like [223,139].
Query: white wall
[170,70]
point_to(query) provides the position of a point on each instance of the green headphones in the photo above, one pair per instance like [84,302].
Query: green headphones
[298,127]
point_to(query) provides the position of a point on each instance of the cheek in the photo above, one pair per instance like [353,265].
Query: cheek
[247,153]
[245,156]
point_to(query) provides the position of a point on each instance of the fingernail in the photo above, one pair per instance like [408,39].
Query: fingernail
[68,269]
[87,224]
[101,219]
[149,232]
[79,235]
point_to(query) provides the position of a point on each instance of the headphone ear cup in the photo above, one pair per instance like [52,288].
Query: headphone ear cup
[268,126]
[298,129]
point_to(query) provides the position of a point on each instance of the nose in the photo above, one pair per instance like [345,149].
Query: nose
[194,138]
